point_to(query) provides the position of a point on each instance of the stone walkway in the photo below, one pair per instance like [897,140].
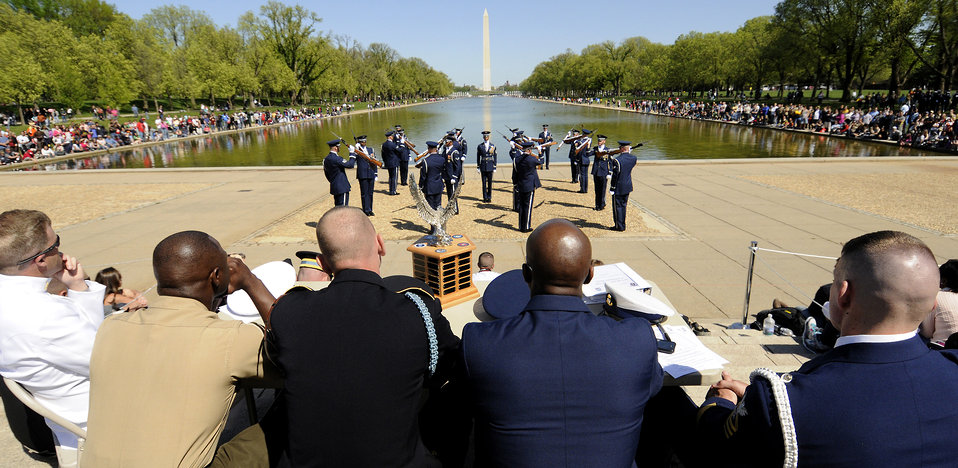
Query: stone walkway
[711,211]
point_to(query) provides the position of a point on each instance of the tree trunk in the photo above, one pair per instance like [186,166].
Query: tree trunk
[156,106]
[893,78]
[20,111]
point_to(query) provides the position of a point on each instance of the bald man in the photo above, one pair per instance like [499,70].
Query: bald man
[163,378]
[557,385]
[356,356]
[879,398]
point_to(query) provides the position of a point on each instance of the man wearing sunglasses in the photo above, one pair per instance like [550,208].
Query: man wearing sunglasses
[46,339]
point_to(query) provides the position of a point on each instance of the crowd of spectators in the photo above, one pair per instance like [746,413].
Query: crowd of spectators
[51,132]
[917,119]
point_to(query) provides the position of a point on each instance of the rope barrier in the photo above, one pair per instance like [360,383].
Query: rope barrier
[802,293]
[795,253]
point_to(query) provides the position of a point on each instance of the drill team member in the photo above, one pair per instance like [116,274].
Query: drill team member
[545,137]
[365,173]
[527,181]
[486,165]
[391,159]
[335,169]
[621,183]
[600,173]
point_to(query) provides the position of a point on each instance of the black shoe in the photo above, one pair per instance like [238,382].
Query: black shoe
[370,213]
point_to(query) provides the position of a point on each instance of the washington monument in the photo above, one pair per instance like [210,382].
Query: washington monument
[486,63]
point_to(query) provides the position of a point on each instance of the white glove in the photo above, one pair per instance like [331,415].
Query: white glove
[352,149]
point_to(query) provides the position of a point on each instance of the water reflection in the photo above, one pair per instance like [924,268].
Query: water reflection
[303,144]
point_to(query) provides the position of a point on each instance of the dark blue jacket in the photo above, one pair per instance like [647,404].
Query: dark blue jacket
[452,170]
[600,167]
[584,155]
[559,386]
[622,173]
[430,174]
[403,152]
[365,169]
[335,168]
[524,174]
[390,154]
[863,404]
[486,160]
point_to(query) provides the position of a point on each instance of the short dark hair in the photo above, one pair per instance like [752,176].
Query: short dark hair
[949,274]
[486,260]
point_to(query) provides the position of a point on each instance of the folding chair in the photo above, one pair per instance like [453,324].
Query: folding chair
[65,457]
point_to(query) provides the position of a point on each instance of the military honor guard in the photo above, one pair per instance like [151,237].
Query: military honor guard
[527,181]
[461,143]
[486,165]
[600,173]
[390,154]
[366,168]
[570,139]
[431,166]
[452,169]
[621,183]
[404,149]
[514,152]
[334,166]
[583,150]
[545,137]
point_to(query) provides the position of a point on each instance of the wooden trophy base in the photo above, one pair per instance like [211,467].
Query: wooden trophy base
[446,269]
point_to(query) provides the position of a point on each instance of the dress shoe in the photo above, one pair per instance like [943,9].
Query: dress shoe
[370,214]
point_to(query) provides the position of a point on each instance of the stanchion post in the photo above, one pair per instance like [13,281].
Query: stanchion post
[753,248]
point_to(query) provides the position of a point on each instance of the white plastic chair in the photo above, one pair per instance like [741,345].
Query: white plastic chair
[67,458]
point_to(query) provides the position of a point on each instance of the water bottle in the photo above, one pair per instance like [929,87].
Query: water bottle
[768,325]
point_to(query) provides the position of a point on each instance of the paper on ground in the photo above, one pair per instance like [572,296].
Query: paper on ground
[690,354]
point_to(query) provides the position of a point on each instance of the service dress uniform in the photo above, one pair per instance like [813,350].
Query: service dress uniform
[486,161]
[583,157]
[574,163]
[527,181]
[390,154]
[430,177]
[545,137]
[403,152]
[366,174]
[452,171]
[514,154]
[621,186]
[600,175]
[334,166]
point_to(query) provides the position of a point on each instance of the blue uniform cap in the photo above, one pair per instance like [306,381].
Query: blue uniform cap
[586,131]
[506,295]
[332,143]
[361,138]
[486,132]
[390,133]
[625,143]
[432,144]
[528,144]
[601,137]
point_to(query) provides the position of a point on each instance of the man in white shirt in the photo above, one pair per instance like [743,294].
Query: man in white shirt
[46,339]
[486,263]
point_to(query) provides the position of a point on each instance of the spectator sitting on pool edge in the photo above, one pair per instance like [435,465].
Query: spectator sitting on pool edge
[486,263]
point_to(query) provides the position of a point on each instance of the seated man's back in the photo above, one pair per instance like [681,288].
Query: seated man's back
[880,397]
[355,356]
[557,385]
[46,339]
[163,378]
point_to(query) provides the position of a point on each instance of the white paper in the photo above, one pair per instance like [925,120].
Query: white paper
[690,354]
[616,273]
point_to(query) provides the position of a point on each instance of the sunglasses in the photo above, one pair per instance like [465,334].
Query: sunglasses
[42,252]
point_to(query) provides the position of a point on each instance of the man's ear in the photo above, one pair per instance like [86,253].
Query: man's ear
[845,293]
[381,245]
[325,264]
[588,277]
[527,273]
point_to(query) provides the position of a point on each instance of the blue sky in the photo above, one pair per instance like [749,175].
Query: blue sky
[448,35]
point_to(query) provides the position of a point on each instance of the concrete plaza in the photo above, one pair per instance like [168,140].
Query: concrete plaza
[707,214]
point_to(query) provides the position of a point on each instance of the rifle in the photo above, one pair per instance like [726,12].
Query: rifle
[420,156]
[340,140]
[367,157]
